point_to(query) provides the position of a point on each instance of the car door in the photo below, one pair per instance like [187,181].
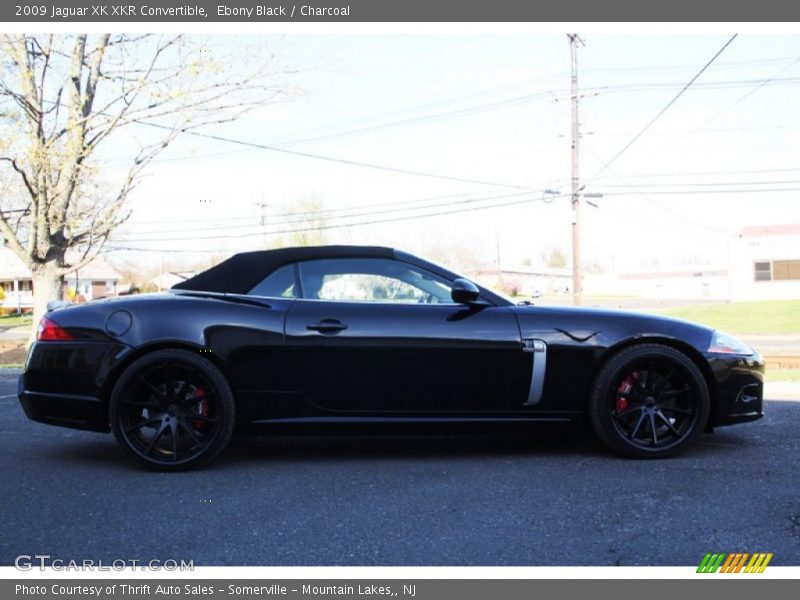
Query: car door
[380,335]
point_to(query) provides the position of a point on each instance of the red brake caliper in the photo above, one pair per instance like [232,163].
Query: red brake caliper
[625,387]
[202,405]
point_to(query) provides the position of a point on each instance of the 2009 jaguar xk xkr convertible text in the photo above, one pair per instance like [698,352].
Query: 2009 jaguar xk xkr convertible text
[363,336]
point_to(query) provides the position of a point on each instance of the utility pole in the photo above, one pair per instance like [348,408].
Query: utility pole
[577,283]
[262,204]
[497,253]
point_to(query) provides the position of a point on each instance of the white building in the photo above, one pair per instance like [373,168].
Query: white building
[763,263]
[95,280]
[528,281]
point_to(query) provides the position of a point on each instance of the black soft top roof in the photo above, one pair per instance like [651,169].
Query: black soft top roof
[241,272]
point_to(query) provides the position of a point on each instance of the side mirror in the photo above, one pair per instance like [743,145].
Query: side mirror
[464,292]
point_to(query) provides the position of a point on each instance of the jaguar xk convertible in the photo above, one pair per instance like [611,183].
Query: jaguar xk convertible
[345,337]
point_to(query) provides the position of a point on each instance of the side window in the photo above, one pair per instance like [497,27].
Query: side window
[372,280]
[278,284]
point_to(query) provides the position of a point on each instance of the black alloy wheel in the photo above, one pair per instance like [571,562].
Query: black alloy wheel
[172,410]
[649,401]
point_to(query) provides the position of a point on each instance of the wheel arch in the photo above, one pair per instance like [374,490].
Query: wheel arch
[690,351]
[118,369]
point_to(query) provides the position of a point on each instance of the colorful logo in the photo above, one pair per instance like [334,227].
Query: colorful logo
[734,562]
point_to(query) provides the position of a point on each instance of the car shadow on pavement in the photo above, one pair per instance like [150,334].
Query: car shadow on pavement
[573,444]
[408,447]
[104,451]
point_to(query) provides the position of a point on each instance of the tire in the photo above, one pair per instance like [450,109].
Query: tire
[649,401]
[172,410]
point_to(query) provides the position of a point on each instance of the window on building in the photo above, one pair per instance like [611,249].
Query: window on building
[785,269]
[777,270]
[763,271]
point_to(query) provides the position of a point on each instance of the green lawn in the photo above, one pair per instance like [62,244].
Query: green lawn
[15,321]
[769,317]
[792,375]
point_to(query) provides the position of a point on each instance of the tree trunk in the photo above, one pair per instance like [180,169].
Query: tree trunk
[46,288]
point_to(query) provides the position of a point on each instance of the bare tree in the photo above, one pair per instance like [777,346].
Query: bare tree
[63,97]
[307,222]
[555,258]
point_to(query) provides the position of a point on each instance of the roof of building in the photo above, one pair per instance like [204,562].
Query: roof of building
[171,278]
[699,272]
[766,230]
[11,267]
[241,272]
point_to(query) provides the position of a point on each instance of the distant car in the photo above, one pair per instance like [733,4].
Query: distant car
[344,336]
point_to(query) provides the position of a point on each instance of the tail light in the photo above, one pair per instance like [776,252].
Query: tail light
[50,331]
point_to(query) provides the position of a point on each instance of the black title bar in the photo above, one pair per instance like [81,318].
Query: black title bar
[239,11]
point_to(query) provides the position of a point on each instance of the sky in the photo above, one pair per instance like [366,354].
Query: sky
[484,120]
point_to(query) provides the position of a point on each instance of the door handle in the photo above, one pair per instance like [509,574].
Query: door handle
[327,326]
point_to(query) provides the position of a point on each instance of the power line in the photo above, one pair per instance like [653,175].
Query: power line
[687,132]
[703,126]
[665,109]
[422,216]
[721,65]
[704,173]
[699,184]
[320,212]
[333,211]
[359,223]
[626,88]
[344,161]
[334,159]
[463,112]
[425,203]
[516,101]
[658,205]
[479,94]
[426,118]
[701,192]
[316,215]
[709,85]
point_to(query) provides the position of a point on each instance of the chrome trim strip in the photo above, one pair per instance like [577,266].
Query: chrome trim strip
[538,350]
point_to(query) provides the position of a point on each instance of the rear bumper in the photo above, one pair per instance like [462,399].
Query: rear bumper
[66,383]
[739,389]
[64,410]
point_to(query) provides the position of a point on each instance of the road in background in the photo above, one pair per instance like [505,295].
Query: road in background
[403,500]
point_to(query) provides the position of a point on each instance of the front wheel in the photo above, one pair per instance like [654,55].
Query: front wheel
[649,401]
[172,410]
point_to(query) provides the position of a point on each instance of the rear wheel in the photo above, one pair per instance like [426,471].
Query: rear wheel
[649,401]
[172,410]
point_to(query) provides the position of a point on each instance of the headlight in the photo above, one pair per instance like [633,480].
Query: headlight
[723,343]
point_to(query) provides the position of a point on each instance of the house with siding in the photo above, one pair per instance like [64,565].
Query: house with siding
[97,279]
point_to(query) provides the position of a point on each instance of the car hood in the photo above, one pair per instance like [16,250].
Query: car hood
[607,327]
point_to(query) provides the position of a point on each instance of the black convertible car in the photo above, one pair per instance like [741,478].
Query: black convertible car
[347,335]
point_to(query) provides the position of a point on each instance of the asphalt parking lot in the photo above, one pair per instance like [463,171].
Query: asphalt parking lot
[402,500]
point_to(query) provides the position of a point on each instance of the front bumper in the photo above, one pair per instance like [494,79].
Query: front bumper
[739,388]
